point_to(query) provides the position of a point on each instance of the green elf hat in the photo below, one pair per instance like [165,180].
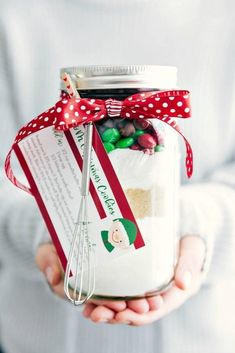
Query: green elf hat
[129,228]
[107,244]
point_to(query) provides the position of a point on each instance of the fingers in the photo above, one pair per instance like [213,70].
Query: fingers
[88,308]
[118,305]
[136,312]
[155,302]
[192,252]
[101,314]
[140,312]
[106,310]
[159,306]
[140,305]
[170,301]
[130,317]
[48,262]
[103,310]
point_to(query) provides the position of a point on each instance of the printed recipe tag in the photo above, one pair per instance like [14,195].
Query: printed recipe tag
[52,162]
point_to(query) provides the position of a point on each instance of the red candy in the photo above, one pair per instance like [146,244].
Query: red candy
[135,147]
[141,124]
[149,151]
[147,141]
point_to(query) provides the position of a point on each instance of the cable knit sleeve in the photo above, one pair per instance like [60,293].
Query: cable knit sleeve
[21,226]
[208,210]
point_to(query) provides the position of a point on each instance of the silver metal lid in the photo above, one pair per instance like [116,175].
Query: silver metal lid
[122,76]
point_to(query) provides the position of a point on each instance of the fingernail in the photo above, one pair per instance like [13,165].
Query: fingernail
[49,274]
[186,278]
[103,320]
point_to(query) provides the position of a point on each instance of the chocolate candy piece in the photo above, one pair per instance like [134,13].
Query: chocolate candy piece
[147,141]
[127,130]
[119,123]
[124,143]
[159,148]
[109,146]
[109,123]
[148,151]
[138,133]
[110,135]
[141,124]
[136,147]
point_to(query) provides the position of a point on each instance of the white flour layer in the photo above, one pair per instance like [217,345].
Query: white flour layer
[142,270]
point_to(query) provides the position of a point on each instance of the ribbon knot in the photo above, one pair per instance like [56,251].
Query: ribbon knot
[113,107]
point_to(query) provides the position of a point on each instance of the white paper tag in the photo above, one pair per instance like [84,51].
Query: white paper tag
[51,164]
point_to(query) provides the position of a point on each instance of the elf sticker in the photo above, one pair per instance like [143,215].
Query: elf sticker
[121,234]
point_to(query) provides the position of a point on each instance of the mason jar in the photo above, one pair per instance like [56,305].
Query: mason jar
[145,157]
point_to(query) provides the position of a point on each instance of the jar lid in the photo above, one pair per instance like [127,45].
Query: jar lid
[122,76]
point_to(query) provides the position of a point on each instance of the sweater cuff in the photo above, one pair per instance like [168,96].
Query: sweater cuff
[200,216]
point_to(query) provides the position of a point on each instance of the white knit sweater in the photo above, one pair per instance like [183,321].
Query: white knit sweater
[39,37]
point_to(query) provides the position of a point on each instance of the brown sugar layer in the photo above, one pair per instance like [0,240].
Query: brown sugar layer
[146,203]
[140,201]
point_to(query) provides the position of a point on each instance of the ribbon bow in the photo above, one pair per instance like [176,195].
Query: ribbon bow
[71,112]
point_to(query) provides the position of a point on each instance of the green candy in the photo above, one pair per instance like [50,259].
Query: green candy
[109,146]
[159,148]
[138,133]
[111,135]
[126,142]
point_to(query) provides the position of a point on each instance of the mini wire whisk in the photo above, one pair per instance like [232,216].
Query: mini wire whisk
[81,255]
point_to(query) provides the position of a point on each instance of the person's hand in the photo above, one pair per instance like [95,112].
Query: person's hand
[187,282]
[48,262]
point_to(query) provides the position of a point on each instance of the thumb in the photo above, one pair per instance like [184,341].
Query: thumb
[48,262]
[191,257]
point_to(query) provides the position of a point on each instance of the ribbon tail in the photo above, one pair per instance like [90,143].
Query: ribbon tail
[189,152]
[10,174]
[189,157]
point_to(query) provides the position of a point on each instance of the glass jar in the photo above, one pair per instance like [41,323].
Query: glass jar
[149,177]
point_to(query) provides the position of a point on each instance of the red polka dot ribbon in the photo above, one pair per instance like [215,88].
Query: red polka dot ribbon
[71,112]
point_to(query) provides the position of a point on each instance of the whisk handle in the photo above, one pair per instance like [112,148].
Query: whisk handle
[86,159]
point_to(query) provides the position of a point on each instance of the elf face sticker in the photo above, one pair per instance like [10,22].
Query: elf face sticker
[121,234]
